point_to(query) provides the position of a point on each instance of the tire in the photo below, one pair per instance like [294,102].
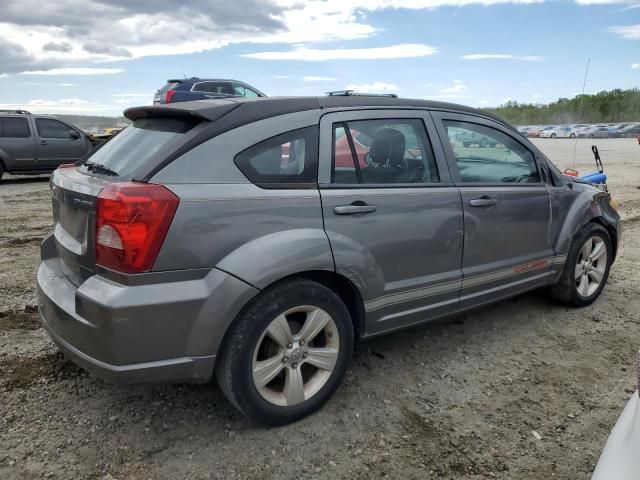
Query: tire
[571,291]
[466,144]
[1,170]
[483,143]
[573,135]
[251,343]
[553,135]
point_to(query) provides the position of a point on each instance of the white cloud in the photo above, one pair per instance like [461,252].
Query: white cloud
[4,75]
[66,84]
[457,87]
[636,66]
[64,105]
[630,32]
[502,56]
[146,95]
[282,77]
[447,96]
[76,71]
[375,87]
[406,50]
[312,78]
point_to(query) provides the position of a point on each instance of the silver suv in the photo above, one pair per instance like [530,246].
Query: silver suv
[261,239]
[33,144]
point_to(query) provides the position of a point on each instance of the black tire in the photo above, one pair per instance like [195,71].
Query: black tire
[553,135]
[566,291]
[234,367]
[466,144]
[483,143]
[1,170]
[573,135]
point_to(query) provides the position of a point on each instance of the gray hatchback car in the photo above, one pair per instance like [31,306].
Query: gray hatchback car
[259,240]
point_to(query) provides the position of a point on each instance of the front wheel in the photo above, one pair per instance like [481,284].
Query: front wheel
[553,135]
[573,135]
[287,353]
[587,268]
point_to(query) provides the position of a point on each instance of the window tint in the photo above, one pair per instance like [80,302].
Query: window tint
[14,128]
[134,145]
[214,87]
[290,158]
[385,151]
[239,89]
[484,154]
[48,128]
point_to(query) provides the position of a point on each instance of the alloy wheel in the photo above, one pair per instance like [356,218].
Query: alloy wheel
[295,355]
[591,266]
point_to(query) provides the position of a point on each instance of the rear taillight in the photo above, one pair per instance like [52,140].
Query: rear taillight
[169,95]
[132,220]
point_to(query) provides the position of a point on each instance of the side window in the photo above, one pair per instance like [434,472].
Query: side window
[385,151]
[239,89]
[486,155]
[14,128]
[49,128]
[289,158]
[214,87]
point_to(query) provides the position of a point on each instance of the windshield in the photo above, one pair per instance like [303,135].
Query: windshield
[132,147]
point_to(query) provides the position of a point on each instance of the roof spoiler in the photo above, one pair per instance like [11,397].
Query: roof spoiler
[154,111]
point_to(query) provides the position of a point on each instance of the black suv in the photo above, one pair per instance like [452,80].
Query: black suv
[194,88]
[33,144]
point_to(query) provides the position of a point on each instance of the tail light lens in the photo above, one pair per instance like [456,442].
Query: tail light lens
[132,222]
[169,95]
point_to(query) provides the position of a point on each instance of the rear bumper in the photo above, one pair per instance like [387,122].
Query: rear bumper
[165,331]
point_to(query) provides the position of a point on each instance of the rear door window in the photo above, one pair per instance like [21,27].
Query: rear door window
[14,128]
[137,143]
[223,88]
[385,151]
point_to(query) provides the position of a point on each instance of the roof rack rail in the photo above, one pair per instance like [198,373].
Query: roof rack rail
[21,112]
[353,93]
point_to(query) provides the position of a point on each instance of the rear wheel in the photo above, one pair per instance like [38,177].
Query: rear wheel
[287,354]
[484,143]
[587,268]
[553,135]
[1,170]
[573,135]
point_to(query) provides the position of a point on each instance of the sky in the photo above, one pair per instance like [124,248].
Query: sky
[99,57]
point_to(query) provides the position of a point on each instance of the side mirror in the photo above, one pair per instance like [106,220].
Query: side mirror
[74,135]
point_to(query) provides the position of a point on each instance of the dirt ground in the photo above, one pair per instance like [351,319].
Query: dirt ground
[465,398]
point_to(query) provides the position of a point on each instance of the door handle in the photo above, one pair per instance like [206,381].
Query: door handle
[351,209]
[43,142]
[483,201]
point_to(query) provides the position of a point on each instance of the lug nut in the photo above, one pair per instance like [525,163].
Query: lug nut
[290,345]
[301,343]
[295,365]
[305,355]
[285,359]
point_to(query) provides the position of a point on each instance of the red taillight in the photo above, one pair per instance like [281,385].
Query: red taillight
[132,220]
[169,95]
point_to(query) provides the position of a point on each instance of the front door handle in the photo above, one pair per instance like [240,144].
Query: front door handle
[43,142]
[483,201]
[351,209]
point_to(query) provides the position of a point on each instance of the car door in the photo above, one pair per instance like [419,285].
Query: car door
[508,246]
[58,143]
[17,145]
[391,213]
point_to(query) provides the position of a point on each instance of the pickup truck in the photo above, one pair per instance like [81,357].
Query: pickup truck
[34,144]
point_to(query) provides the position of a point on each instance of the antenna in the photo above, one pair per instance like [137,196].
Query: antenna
[584,83]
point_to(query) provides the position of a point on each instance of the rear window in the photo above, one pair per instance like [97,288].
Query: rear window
[14,128]
[137,143]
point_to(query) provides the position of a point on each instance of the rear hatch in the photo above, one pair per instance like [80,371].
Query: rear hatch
[75,189]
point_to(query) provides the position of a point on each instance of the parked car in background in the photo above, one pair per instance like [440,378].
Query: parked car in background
[614,130]
[105,134]
[548,131]
[468,137]
[534,132]
[194,88]
[629,130]
[264,266]
[594,131]
[35,144]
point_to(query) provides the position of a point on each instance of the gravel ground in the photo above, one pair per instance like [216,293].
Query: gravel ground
[524,389]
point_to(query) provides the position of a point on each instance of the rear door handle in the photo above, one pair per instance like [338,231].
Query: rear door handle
[483,201]
[351,209]
[43,142]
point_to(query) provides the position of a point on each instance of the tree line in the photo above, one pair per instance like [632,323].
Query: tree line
[603,107]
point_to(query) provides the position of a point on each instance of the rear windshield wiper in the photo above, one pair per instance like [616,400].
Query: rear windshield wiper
[100,168]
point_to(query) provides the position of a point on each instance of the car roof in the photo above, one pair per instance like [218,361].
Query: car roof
[248,110]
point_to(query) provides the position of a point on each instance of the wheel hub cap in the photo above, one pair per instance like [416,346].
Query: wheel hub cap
[591,266]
